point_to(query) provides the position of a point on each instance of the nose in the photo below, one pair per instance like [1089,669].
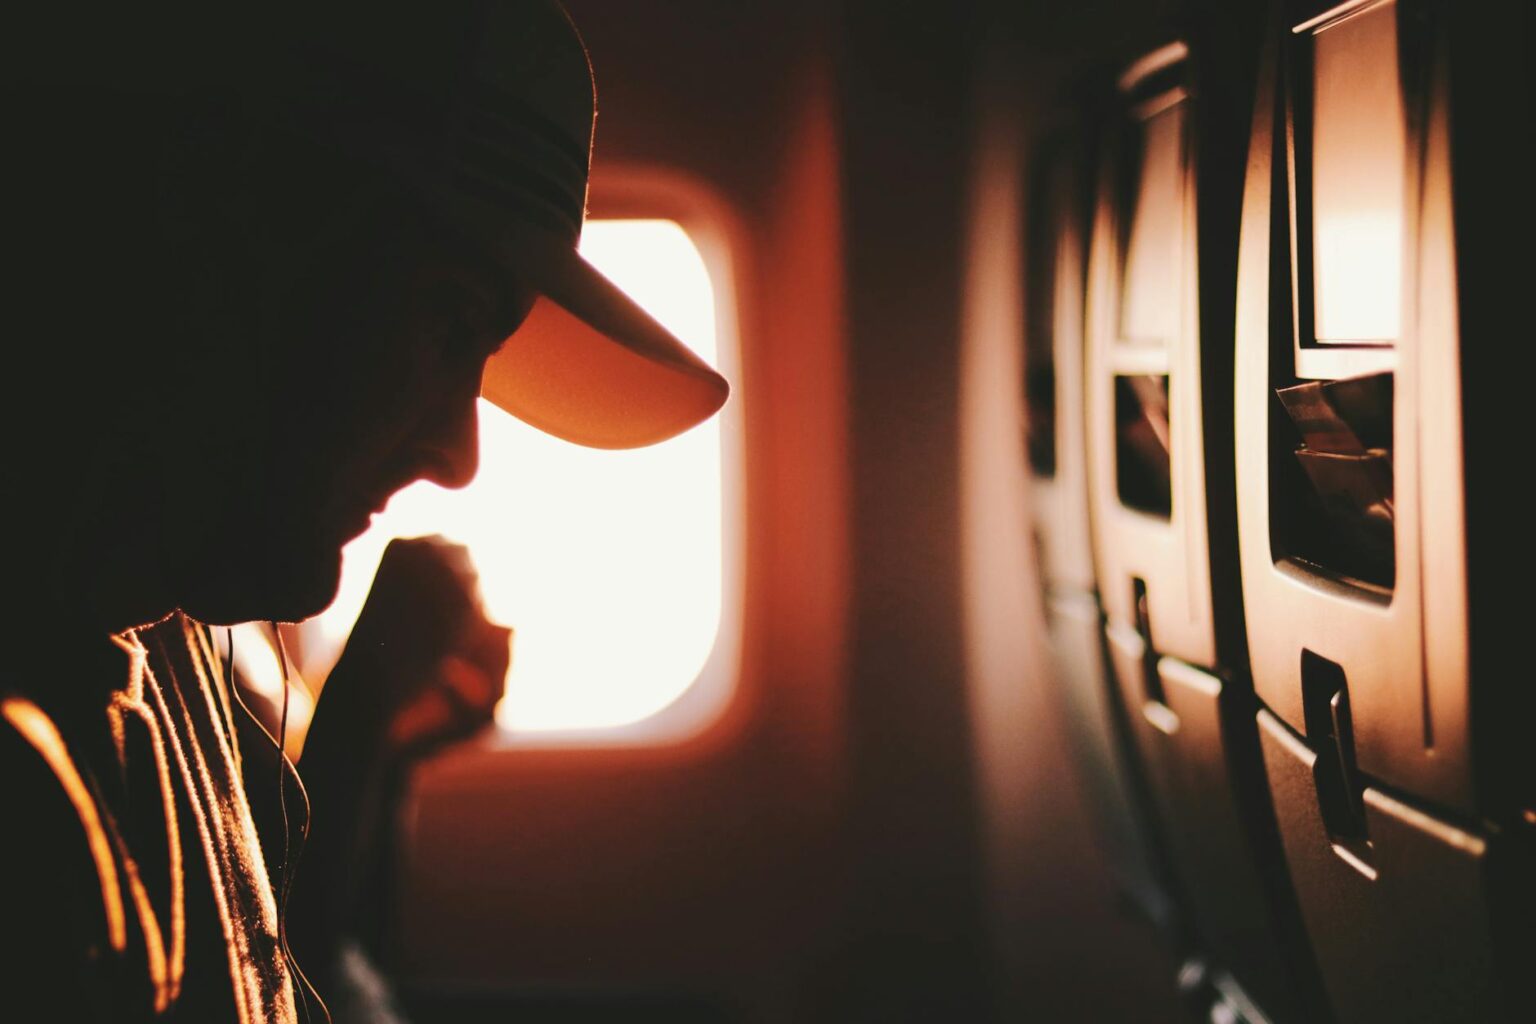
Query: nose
[450,444]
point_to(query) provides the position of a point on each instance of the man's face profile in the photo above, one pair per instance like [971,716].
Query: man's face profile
[275,358]
[360,380]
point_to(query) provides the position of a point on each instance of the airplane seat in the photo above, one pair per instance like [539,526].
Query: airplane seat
[1158,381]
[1394,801]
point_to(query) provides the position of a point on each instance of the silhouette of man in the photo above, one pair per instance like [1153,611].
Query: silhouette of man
[265,261]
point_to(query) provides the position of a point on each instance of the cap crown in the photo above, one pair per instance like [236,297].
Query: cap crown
[489,99]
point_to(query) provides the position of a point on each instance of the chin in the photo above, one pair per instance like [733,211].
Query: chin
[282,589]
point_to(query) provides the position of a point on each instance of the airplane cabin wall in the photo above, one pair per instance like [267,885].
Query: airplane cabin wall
[893,819]
[1067,944]
[706,876]
[815,854]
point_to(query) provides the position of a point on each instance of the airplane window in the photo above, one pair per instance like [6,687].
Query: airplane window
[608,565]
[1358,153]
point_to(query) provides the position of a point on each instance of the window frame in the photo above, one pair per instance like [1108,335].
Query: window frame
[646,192]
[1317,358]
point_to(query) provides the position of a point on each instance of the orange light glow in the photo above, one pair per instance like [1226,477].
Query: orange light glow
[1154,257]
[1358,151]
[608,565]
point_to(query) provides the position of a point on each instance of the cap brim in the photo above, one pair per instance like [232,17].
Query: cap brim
[589,365]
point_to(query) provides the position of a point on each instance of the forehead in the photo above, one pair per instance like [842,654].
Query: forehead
[400,244]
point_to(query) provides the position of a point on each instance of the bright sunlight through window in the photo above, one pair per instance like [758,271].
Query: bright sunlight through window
[608,565]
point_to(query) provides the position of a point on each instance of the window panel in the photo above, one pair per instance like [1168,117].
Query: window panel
[608,565]
[1154,255]
[1358,155]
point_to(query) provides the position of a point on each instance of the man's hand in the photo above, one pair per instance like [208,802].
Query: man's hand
[423,667]
[423,659]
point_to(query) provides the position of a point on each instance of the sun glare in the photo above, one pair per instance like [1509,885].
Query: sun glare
[1358,152]
[606,564]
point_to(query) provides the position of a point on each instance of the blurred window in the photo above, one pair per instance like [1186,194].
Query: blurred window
[608,565]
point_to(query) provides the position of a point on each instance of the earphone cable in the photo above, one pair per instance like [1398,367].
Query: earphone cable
[306,989]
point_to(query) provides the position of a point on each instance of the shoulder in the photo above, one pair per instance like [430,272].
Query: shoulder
[45,802]
[57,870]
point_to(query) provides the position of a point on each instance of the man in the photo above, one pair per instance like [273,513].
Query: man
[266,261]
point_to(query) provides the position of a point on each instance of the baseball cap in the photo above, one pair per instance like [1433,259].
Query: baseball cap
[486,110]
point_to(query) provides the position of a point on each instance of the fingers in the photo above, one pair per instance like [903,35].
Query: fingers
[440,664]
[433,563]
[424,593]
[472,689]
[461,702]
